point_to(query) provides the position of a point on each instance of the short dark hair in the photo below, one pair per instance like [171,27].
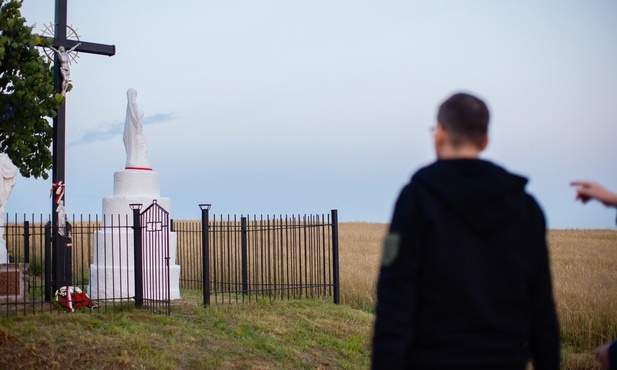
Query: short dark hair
[465,118]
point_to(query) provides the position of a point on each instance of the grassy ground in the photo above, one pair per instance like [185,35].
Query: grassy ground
[300,334]
[267,335]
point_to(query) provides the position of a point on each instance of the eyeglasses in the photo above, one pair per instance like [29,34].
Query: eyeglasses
[432,130]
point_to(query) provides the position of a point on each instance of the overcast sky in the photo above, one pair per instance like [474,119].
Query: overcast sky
[287,107]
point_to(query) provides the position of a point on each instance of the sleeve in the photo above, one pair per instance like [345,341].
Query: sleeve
[396,288]
[544,341]
[612,356]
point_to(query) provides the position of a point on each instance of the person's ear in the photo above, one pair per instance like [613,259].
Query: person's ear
[484,143]
[440,135]
[440,138]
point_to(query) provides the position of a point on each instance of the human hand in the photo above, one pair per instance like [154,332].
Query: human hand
[602,356]
[587,190]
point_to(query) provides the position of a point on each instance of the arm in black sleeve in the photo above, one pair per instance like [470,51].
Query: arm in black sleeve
[612,356]
[544,341]
[396,289]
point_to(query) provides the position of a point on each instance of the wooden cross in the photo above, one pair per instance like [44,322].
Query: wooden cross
[61,255]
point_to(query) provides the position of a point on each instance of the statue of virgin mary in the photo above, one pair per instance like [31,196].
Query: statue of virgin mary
[134,138]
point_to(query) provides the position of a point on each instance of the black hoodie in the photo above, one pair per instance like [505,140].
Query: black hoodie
[465,281]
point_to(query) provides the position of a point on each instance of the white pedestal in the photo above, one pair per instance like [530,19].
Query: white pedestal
[112,274]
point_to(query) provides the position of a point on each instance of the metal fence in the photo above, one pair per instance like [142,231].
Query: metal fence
[285,257]
[27,241]
[236,259]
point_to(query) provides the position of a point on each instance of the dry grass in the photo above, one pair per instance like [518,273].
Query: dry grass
[585,282]
[585,279]
[360,256]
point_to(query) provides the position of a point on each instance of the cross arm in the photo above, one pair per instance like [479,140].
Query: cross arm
[91,47]
[86,47]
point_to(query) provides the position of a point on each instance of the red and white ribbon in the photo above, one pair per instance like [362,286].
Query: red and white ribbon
[57,190]
[69,298]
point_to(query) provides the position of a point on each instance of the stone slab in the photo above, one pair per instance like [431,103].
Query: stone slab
[14,280]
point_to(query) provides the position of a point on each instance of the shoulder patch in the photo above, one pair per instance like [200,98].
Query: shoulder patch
[391,247]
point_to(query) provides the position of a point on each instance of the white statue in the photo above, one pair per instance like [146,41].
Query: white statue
[61,218]
[134,138]
[9,176]
[8,171]
[65,70]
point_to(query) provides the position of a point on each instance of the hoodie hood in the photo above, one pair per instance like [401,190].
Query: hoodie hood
[479,193]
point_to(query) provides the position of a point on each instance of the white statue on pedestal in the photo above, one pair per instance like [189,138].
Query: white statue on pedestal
[111,276]
[8,171]
[134,138]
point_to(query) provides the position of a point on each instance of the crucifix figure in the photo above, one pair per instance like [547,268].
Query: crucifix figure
[62,274]
[65,70]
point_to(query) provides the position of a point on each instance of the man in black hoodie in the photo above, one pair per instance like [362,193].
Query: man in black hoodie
[465,281]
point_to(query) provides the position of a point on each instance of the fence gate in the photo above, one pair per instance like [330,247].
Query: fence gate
[152,282]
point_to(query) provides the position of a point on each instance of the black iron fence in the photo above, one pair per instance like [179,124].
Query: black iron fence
[254,258]
[28,244]
[236,259]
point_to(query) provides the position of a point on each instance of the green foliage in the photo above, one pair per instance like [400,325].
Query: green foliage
[26,89]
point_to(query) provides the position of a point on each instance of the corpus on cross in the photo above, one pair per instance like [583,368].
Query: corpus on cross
[62,274]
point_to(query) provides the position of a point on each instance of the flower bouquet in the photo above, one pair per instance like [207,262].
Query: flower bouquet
[72,297]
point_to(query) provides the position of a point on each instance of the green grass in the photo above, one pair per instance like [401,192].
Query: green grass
[263,335]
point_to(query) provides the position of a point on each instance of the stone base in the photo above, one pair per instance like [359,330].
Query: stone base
[14,280]
[117,248]
[133,187]
[117,209]
[133,182]
[116,283]
[112,275]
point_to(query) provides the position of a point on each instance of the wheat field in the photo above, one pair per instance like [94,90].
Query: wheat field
[584,268]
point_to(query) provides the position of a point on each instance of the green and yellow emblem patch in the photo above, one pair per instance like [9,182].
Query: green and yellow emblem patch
[391,247]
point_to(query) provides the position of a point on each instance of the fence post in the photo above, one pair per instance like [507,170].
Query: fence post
[61,255]
[243,242]
[48,264]
[205,251]
[335,266]
[26,241]
[137,254]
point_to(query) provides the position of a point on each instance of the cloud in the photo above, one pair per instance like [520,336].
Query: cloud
[158,118]
[107,131]
[101,133]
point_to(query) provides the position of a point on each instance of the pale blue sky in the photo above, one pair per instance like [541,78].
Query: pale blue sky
[305,106]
